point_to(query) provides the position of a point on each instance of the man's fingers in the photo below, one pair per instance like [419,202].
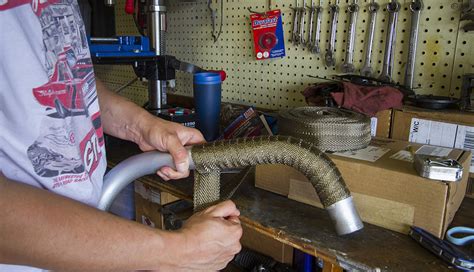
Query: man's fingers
[237,248]
[170,173]
[196,137]
[179,153]
[224,209]
[162,175]
[233,219]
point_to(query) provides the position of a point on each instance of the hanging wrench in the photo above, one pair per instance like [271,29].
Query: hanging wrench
[316,49]
[367,69]
[415,6]
[348,66]
[312,9]
[393,8]
[294,37]
[302,24]
[330,58]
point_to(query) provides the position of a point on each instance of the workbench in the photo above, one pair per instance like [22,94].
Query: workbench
[310,229]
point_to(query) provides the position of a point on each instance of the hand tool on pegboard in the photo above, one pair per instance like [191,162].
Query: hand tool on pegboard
[302,24]
[330,53]
[416,6]
[468,12]
[468,15]
[393,9]
[367,68]
[314,46]
[216,33]
[348,66]
[295,39]
[310,40]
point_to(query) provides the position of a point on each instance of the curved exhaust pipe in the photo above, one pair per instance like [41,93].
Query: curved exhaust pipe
[239,153]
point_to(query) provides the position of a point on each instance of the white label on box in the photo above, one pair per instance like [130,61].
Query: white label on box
[432,132]
[403,155]
[465,140]
[434,151]
[147,222]
[370,153]
[442,134]
[373,126]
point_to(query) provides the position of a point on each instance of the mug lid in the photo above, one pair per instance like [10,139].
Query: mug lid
[207,78]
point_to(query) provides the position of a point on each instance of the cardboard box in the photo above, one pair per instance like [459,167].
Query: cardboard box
[381,124]
[447,128]
[402,119]
[388,192]
[147,204]
[148,201]
[266,245]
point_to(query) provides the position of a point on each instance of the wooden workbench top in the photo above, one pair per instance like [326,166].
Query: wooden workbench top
[310,229]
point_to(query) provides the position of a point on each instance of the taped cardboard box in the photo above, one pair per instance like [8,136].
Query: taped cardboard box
[267,245]
[381,123]
[402,119]
[386,188]
[148,201]
[449,128]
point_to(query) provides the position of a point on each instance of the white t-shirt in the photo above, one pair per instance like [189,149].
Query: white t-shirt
[50,128]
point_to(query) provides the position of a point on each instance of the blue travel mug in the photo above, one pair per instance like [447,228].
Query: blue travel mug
[207,100]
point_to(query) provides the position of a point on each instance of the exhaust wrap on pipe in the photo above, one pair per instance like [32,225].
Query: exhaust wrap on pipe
[209,159]
[323,174]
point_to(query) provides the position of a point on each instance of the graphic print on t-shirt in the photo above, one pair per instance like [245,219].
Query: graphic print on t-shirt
[54,152]
[71,87]
[69,145]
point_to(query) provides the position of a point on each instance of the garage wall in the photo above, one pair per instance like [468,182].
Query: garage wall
[444,53]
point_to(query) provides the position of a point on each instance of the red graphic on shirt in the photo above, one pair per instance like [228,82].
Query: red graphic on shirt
[36,5]
[91,151]
[70,90]
[60,181]
[97,123]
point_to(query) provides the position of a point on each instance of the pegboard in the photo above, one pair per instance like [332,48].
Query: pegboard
[444,51]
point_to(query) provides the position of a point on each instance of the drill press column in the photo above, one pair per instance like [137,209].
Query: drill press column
[156,29]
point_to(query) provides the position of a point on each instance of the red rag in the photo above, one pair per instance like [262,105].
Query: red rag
[368,99]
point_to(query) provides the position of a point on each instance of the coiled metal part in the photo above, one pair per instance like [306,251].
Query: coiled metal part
[329,129]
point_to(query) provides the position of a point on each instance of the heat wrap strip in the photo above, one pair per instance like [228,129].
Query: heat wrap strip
[238,153]
[330,129]
[207,186]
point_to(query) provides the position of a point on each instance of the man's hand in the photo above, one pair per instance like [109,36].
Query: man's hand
[125,120]
[162,135]
[36,224]
[212,238]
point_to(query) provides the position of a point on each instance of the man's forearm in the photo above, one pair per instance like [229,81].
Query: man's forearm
[41,229]
[121,117]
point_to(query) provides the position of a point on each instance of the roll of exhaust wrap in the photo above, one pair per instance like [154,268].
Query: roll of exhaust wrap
[329,129]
